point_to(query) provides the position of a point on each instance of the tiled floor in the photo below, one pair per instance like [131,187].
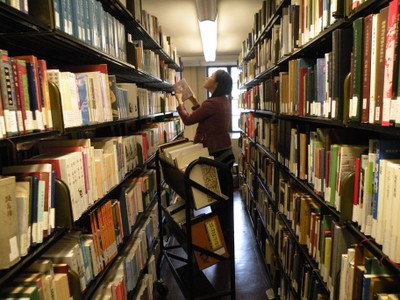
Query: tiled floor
[251,280]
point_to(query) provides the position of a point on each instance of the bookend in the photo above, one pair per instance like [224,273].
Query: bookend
[63,204]
[202,238]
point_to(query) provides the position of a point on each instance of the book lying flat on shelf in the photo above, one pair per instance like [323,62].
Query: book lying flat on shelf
[183,86]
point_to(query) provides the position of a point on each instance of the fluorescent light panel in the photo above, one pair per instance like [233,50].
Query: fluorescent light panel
[207,16]
[208,31]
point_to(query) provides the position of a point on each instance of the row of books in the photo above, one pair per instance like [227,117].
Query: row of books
[179,154]
[326,241]
[155,29]
[148,61]
[367,198]
[86,95]
[127,272]
[25,99]
[353,179]
[89,168]
[86,21]
[21,5]
[67,268]
[300,22]
[265,131]
[349,90]
[362,276]
[44,279]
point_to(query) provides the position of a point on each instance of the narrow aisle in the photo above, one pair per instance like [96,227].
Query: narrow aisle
[251,278]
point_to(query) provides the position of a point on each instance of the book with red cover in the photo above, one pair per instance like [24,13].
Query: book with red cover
[34,89]
[390,56]
[43,172]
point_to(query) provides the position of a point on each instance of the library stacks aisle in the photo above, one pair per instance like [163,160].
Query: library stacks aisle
[250,272]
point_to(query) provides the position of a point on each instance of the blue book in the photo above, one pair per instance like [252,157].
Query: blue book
[58,16]
[385,149]
[82,83]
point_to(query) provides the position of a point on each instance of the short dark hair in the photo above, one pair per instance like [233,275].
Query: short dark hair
[224,86]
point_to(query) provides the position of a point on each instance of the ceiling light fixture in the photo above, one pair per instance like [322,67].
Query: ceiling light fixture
[207,16]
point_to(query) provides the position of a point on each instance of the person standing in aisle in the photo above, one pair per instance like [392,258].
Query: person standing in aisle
[213,117]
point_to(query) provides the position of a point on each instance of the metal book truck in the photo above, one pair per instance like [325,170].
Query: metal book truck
[198,215]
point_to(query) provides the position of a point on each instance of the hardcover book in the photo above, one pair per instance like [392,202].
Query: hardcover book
[207,235]
[183,86]
[9,254]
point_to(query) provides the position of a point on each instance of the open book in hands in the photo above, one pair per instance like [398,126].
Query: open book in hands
[183,87]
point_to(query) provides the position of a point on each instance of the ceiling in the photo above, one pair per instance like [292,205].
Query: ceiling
[179,20]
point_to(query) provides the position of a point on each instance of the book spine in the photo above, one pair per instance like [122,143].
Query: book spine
[390,50]
[357,74]
[380,64]
[34,95]
[8,94]
[44,87]
[366,78]
[19,97]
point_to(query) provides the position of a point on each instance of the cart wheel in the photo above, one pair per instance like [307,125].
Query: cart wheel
[161,288]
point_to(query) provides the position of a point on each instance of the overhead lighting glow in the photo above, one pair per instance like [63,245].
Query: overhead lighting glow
[208,31]
[207,16]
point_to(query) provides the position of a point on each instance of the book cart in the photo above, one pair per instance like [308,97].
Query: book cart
[199,241]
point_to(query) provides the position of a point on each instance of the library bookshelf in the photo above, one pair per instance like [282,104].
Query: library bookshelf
[99,199]
[319,145]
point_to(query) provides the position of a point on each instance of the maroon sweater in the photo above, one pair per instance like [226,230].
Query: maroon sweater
[213,117]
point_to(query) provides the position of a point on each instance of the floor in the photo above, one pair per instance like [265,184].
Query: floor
[251,280]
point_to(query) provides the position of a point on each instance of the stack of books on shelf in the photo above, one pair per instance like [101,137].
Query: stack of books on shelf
[87,21]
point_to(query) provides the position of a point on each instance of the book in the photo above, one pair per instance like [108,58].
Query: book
[357,70]
[9,254]
[207,235]
[68,167]
[133,105]
[385,149]
[184,87]
[36,101]
[378,83]
[23,195]
[390,57]
[207,177]
[99,86]
[34,279]
[82,146]
[85,100]
[8,96]
[341,50]
[342,239]
[184,159]
[73,279]
[369,48]
[61,286]
[44,88]
[41,205]
[25,117]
